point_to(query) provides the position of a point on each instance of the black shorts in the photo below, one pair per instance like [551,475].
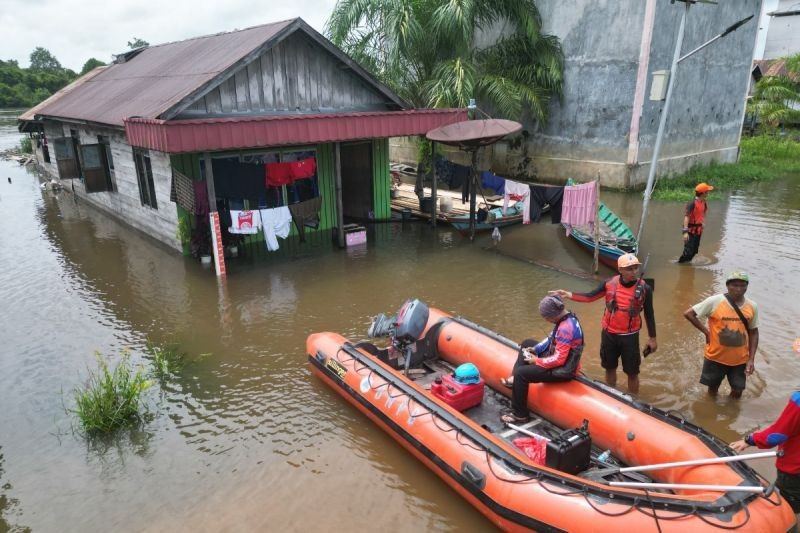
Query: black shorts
[714,373]
[613,346]
[789,485]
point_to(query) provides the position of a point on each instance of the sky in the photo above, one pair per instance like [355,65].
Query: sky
[76,30]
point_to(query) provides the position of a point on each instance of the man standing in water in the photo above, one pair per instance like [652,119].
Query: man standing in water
[731,335]
[693,221]
[784,433]
[627,295]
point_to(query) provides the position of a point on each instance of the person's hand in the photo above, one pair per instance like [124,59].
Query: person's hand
[528,355]
[685,237]
[739,446]
[561,293]
[750,368]
[652,344]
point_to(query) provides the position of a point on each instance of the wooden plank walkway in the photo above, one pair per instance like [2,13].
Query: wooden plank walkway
[406,199]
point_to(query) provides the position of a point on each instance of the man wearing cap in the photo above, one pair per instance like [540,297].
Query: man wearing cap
[627,296]
[556,358]
[693,222]
[731,335]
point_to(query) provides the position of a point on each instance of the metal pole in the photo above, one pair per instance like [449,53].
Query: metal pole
[687,486]
[473,193]
[695,462]
[596,260]
[433,184]
[648,191]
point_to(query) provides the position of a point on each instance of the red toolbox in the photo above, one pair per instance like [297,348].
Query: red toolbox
[458,395]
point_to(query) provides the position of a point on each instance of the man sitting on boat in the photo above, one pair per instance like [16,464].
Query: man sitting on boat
[627,296]
[555,359]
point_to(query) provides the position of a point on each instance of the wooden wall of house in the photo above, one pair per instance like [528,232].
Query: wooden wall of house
[124,202]
[382,180]
[296,75]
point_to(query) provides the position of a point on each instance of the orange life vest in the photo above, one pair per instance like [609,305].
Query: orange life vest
[697,216]
[623,306]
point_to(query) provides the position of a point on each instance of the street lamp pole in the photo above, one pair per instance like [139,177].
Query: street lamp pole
[676,58]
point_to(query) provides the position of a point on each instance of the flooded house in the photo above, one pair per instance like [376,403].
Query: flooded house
[232,138]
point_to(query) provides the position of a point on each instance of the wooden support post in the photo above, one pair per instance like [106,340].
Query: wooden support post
[433,184]
[216,232]
[339,203]
[596,261]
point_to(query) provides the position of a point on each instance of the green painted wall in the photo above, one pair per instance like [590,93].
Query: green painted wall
[382,203]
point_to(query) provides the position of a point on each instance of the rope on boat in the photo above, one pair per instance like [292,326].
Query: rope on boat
[637,503]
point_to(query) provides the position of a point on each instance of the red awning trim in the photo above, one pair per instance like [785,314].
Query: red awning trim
[235,133]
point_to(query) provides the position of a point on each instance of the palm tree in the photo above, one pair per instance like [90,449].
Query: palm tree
[431,52]
[776,99]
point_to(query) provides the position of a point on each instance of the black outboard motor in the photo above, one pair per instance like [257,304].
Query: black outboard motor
[404,328]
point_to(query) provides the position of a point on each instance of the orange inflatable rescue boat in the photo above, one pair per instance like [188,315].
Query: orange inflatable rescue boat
[590,459]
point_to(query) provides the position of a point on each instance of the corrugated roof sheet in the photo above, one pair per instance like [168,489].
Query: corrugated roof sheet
[31,113]
[235,133]
[155,79]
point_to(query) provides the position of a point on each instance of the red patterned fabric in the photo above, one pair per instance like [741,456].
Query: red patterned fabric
[305,168]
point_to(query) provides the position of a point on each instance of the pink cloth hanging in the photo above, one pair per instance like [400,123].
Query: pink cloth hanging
[579,206]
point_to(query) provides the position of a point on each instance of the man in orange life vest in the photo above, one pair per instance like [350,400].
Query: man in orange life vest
[693,222]
[627,295]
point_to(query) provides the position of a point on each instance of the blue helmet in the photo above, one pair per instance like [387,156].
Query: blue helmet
[467,374]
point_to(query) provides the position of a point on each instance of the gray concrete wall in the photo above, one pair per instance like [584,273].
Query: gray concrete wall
[588,134]
[124,203]
[707,107]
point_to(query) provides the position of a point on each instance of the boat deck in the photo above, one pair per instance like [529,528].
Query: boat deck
[487,415]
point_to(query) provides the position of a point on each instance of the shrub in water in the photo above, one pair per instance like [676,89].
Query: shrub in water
[166,359]
[111,399]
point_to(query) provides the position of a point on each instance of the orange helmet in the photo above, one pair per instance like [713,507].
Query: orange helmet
[627,260]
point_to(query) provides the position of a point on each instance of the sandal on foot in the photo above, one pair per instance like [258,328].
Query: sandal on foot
[511,418]
[507,383]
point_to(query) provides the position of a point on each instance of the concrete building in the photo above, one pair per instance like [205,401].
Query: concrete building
[783,30]
[229,120]
[606,123]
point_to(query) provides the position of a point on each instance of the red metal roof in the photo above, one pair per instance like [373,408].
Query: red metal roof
[218,134]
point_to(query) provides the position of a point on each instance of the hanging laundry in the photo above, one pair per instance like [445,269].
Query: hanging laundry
[200,198]
[237,180]
[579,207]
[518,192]
[276,223]
[279,174]
[306,214]
[245,222]
[305,168]
[542,195]
[489,180]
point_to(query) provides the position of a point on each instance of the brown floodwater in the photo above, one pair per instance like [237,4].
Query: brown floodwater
[243,438]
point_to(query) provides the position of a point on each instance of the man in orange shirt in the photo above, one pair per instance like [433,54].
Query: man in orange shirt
[731,335]
[693,220]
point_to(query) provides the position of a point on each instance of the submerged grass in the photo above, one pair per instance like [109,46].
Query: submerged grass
[111,399]
[166,360]
[762,158]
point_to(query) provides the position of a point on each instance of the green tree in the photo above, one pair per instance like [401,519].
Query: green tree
[776,100]
[431,52]
[91,64]
[137,43]
[42,59]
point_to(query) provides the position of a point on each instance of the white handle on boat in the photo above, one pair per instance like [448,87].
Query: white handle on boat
[715,488]
[693,462]
[524,431]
